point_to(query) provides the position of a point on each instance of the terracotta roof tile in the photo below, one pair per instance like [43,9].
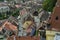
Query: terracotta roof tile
[10,26]
[0,28]
[55,18]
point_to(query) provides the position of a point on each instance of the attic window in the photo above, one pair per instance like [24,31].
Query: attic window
[56,18]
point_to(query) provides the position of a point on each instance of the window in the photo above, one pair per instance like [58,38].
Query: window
[56,18]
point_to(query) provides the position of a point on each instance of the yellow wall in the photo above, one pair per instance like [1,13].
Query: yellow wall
[50,34]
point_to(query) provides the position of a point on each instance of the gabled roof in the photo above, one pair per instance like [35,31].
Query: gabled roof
[55,17]
[13,20]
[9,26]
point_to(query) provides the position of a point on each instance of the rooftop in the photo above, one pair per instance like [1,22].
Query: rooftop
[55,17]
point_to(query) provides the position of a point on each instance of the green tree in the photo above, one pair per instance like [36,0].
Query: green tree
[15,12]
[1,0]
[8,0]
[48,5]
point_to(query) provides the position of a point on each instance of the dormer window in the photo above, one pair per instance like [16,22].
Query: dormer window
[56,18]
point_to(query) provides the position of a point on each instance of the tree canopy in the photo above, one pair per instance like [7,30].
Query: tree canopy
[1,0]
[6,15]
[48,5]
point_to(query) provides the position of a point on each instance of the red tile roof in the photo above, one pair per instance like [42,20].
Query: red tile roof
[55,17]
[10,26]
[24,38]
[0,28]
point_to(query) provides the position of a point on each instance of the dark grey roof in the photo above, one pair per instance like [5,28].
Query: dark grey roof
[13,20]
[2,22]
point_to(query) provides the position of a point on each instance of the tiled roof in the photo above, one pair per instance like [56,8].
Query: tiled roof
[10,26]
[13,20]
[0,28]
[24,38]
[55,17]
